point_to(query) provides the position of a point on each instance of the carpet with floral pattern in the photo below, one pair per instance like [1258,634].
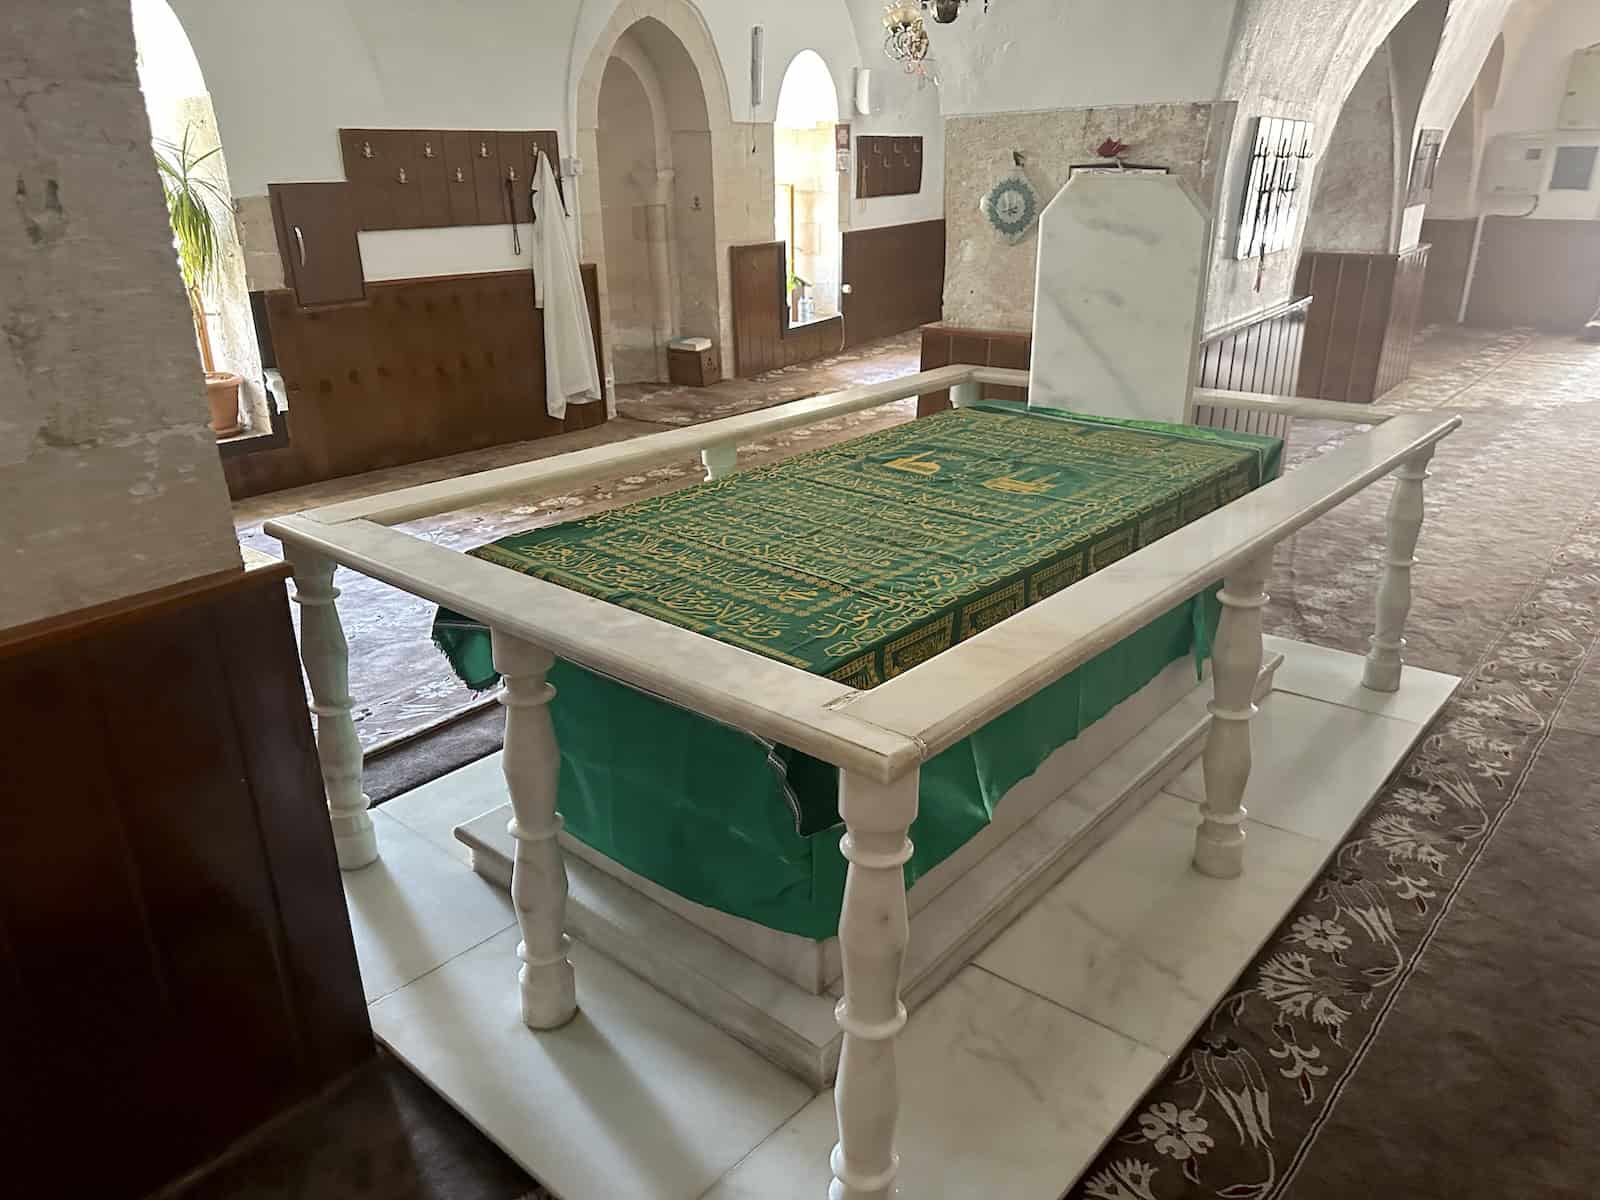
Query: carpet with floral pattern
[1421,1024]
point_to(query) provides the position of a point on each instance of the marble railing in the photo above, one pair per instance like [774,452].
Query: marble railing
[879,738]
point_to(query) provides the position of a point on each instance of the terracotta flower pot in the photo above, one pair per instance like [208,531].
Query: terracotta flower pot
[222,394]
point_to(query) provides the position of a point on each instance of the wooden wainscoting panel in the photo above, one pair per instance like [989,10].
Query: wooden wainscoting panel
[423,368]
[896,276]
[1259,354]
[943,345]
[763,340]
[1362,321]
[1540,273]
[176,960]
[1410,276]
[1451,250]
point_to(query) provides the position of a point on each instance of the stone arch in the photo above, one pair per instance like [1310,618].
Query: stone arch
[1455,190]
[1359,193]
[689,83]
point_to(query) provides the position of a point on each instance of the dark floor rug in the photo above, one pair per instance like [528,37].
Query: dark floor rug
[381,1135]
[463,738]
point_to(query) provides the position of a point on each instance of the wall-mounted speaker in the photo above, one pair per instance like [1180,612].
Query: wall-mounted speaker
[758,71]
[864,91]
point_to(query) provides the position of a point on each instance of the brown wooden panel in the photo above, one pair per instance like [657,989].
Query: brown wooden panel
[763,340]
[896,276]
[433,192]
[426,367]
[1362,320]
[1410,275]
[193,868]
[432,195]
[757,293]
[1451,249]
[888,166]
[1540,273]
[516,168]
[367,170]
[398,148]
[316,226]
[488,177]
[935,353]
[460,178]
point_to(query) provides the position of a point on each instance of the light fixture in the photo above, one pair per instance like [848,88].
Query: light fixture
[945,11]
[906,39]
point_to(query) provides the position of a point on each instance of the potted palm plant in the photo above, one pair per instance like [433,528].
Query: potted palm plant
[194,201]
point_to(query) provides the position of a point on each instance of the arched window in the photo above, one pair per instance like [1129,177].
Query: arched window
[807,202]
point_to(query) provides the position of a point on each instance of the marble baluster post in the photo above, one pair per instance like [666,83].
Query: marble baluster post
[719,461]
[1235,667]
[1386,658]
[326,656]
[874,930]
[532,768]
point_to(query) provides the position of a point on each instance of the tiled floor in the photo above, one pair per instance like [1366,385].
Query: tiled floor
[1013,1074]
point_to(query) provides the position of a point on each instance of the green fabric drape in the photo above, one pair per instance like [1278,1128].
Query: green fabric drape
[856,561]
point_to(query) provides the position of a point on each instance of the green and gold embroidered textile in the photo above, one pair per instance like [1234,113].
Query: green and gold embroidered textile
[857,561]
[861,560]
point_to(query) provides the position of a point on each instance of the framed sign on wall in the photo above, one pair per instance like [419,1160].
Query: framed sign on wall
[1424,166]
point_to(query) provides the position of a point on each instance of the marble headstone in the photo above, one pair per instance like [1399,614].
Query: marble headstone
[1117,308]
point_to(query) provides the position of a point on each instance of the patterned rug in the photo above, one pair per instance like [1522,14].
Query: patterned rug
[1383,1043]
[401,683]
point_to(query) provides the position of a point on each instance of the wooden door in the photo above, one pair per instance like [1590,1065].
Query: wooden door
[317,225]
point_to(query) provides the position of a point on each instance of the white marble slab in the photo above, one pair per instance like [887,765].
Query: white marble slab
[1335,676]
[1136,940]
[437,807]
[416,907]
[1008,1090]
[1312,782]
[635,1098]
[1003,1090]
[1116,312]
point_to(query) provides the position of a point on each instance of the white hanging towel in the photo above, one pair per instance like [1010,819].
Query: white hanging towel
[570,374]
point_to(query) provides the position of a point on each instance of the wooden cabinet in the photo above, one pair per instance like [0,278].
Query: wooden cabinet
[317,225]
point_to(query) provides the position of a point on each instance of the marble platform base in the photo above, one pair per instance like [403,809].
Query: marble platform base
[1014,1072]
[776,992]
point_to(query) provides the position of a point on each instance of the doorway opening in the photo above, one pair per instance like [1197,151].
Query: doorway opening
[184,134]
[653,145]
[807,200]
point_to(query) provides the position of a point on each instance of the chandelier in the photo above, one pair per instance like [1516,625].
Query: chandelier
[906,39]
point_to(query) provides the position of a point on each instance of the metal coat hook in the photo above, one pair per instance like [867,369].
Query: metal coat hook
[460,178]
[511,174]
[401,178]
[366,150]
[483,149]
[427,149]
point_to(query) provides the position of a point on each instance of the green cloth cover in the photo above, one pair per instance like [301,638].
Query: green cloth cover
[856,561]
